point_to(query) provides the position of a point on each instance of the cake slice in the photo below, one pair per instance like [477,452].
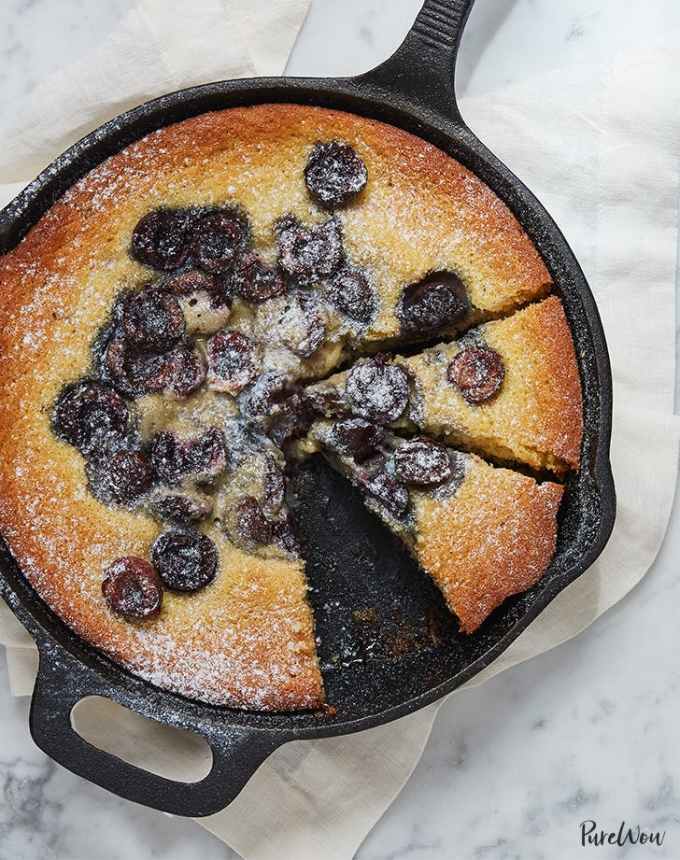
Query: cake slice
[481,533]
[509,389]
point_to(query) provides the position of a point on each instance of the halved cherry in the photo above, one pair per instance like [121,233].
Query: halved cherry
[232,361]
[186,370]
[291,419]
[206,455]
[168,458]
[120,477]
[274,486]
[256,282]
[309,254]
[439,300]
[152,319]
[334,174]
[266,394]
[358,438]
[185,560]
[388,491]
[351,292]
[90,414]
[478,372]
[378,390]
[161,238]
[181,508]
[422,462]
[283,535]
[219,238]
[132,588]
[327,403]
[251,523]
[191,281]
[203,457]
[134,372]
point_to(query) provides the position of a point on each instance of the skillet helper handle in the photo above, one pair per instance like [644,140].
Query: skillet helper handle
[422,69]
[63,681]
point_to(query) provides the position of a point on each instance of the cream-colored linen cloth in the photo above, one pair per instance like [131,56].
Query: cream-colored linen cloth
[599,146]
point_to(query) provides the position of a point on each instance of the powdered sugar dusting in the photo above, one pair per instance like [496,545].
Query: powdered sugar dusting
[248,638]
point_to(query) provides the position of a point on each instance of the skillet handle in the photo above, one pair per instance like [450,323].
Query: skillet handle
[63,681]
[422,69]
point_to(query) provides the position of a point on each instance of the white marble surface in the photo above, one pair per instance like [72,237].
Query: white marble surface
[587,731]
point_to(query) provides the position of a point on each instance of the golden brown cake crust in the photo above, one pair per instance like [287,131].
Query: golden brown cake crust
[248,638]
[494,538]
[536,417]
[422,209]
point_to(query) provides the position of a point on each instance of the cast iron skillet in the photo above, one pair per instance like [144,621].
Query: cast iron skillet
[401,650]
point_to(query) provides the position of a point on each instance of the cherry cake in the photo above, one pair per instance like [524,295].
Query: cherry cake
[230,295]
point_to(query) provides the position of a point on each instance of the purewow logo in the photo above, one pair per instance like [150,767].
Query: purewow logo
[596,837]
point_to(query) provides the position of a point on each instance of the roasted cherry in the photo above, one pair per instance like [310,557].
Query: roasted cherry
[437,301]
[121,477]
[188,370]
[357,438]
[180,508]
[168,458]
[206,455]
[283,535]
[309,254]
[203,457]
[115,362]
[191,281]
[256,282]
[161,238]
[135,372]
[132,588]
[478,372]
[388,491]
[231,361]
[422,462]
[219,238]
[89,414]
[185,560]
[251,523]
[334,173]
[378,390]
[351,292]
[291,419]
[327,403]
[274,486]
[152,319]
[266,394]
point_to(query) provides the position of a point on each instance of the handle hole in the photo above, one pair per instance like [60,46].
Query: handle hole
[166,751]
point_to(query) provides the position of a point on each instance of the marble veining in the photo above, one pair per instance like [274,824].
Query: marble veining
[588,731]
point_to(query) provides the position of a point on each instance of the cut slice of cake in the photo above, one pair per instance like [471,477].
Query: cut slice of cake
[482,533]
[509,389]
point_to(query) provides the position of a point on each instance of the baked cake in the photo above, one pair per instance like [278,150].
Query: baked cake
[165,332]
[509,388]
[481,533]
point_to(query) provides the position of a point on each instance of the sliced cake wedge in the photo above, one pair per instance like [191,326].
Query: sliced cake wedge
[482,533]
[509,389]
